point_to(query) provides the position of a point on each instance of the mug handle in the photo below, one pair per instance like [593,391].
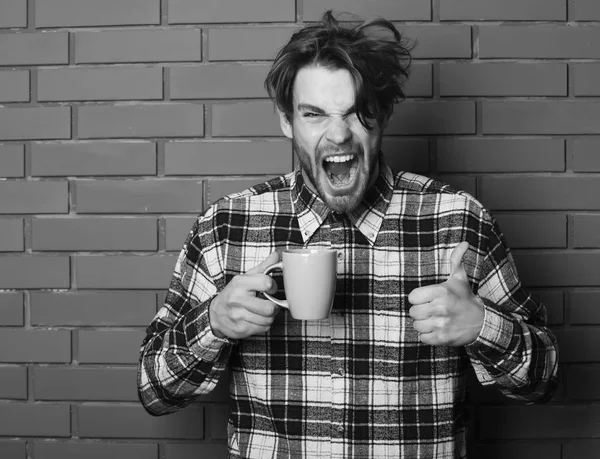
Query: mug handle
[282,303]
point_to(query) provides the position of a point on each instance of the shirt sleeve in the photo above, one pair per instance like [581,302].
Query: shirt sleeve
[515,351]
[180,357]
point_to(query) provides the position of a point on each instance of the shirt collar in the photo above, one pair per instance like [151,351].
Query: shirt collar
[367,216]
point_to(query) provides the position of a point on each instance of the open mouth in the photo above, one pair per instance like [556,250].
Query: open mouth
[341,169]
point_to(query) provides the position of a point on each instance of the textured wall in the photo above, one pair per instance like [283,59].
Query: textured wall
[120,120]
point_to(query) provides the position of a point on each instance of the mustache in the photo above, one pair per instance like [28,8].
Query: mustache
[349,149]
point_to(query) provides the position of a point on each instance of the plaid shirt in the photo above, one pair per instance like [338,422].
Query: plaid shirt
[359,384]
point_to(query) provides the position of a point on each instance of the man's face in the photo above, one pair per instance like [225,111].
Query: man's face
[339,157]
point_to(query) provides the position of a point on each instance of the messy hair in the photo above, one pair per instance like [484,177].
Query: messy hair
[373,52]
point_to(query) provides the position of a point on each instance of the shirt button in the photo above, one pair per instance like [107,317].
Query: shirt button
[340,372]
[340,428]
[340,255]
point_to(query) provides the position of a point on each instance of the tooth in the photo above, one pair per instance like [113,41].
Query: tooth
[339,159]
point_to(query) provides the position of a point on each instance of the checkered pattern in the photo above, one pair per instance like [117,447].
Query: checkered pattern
[359,384]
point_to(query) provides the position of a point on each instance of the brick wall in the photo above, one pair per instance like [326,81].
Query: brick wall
[120,120]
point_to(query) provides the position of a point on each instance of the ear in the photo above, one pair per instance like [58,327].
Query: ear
[285,124]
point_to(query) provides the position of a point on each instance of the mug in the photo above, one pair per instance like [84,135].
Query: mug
[309,279]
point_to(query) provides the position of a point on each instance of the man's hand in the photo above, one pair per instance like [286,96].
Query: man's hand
[449,313]
[237,312]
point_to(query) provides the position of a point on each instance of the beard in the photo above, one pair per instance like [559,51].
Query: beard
[364,173]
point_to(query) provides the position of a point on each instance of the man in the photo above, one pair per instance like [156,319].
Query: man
[426,285]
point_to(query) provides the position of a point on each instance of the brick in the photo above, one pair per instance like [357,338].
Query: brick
[579,344]
[534,230]
[177,230]
[14,14]
[18,345]
[540,422]
[14,86]
[34,272]
[584,308]
[586,234]
[585,155]
[438,41]
[14,384]
[12,235]
[511,10]
[216,189]
[82,383]
[500,155]
[144,45]
[108,347]
[93,158]
[247,43]
[120,421]
[34,48]
[541,117]
[218,415]
[13,449]
[219,81]
[78,13]
[586,10]
[585,79]
[96,309]
[139,196]
[407,10]
[419,118]
[207,11]
[581,449]
[28,197]
[503,79]
[87,234]
[539,42]
[420,83]
[33,123]
[96,450]
[238,157]
[111,83]
[540,193]
[11,309]
[124,272]
[583,381]
[194,451]
[245,119]
[518,450]
[12,160]
[135,121]
[406,154]
[25,420]
[554,302]
[558,269]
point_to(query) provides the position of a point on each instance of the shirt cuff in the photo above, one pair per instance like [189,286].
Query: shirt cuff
[201,341]
[495,335]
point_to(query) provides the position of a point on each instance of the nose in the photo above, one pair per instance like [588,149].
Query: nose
[339,131]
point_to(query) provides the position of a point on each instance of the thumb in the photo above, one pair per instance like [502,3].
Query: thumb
[270,260]
[456,257]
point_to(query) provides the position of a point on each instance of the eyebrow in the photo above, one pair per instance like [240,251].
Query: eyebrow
[319,110]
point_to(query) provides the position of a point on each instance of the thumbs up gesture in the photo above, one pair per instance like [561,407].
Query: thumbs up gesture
[448,314]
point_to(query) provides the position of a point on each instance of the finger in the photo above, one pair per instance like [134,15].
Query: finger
[456,259]
[424,326]
[259,307]
[270,260]
[421,311]
[424,294]
[432,338]
[256,283]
